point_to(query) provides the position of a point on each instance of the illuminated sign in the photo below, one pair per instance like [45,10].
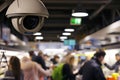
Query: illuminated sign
[69,42]
[75,21]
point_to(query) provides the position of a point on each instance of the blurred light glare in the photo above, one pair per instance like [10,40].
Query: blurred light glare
[80,14]
[87,38]
[13,37]
[37,33]
[69,30]
[39,38]
[67,34]
[115,25]
[63,37]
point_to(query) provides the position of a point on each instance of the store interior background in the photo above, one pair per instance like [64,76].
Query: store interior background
[99,30]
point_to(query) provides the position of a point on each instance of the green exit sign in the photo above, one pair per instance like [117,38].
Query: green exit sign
[75,21]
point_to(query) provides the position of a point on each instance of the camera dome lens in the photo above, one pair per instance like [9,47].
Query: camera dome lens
[30,22]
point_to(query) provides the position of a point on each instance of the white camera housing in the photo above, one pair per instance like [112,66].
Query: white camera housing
[4,4]
[27,16]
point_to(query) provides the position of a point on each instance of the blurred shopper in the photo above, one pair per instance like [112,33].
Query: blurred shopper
[64,71]
[48,63]
[32,70]
[91,70]
[116,66]
[38,58]
[31,54]
[64,57]
[68,68]
[82,60]
[14,69]
[55,60]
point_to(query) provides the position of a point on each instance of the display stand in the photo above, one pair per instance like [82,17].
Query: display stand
[3,57]
[3,60]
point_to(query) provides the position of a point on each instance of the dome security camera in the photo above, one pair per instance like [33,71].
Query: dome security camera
[27,16]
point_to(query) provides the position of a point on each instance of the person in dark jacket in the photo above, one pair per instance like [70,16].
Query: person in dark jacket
[39,59]
[116,65]
[91,70]
[67,70]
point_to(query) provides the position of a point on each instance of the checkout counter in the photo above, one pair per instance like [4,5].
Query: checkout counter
[110,74]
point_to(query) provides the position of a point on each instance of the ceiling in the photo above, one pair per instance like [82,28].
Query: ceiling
[101,13]
[109,34]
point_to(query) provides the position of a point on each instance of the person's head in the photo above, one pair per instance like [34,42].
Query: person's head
[25,59]
[46,57]
[117,56]
[31,53]
[68,53]
[14,65]
[56,57]
[26,63]
[100,55]
[70,60]
[14,62]
[40,53]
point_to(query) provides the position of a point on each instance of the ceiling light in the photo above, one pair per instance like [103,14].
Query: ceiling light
[39,38]
[79,12]
[69,30]
[63,37]
[37,33]
[67,34]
